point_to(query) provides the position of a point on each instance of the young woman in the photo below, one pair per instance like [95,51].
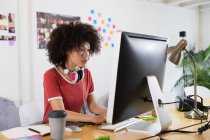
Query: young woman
[69,84]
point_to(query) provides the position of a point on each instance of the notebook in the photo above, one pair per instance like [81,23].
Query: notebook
[21,132]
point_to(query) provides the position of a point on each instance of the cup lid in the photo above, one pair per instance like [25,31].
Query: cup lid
[57,114]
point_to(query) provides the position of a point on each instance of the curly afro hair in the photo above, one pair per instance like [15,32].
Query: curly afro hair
[70,37]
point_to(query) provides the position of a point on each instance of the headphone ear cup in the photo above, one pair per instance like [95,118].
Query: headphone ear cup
[80,74]
[76,76]
[73,77]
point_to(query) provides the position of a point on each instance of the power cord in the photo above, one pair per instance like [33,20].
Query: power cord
[200,129]
[204,128]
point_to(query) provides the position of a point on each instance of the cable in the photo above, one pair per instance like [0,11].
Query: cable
[203,128]
[169,131]
[160,102]
[180,131]
[200,129]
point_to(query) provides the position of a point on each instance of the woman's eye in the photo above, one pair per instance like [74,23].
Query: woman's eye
[81,49]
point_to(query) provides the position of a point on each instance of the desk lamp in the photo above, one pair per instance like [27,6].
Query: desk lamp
[174,55]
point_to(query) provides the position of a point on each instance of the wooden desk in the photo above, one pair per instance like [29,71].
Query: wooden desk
[178,122]
[191,136]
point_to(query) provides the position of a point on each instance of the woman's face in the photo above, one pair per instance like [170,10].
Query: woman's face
[78,57]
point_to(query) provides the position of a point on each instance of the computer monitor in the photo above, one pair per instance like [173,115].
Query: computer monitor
[139,56]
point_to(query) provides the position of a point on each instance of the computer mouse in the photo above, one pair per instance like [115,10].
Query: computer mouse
[74,128]
[68,129]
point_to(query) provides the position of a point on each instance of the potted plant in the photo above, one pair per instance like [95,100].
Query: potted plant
[202,60]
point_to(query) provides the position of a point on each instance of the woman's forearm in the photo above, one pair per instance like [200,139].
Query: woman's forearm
[77,117]
[94,107]
[97,109]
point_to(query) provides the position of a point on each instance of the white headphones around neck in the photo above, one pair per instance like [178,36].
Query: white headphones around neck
[76,75]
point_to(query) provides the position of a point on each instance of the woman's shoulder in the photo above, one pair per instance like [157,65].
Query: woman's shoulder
[88,74]
[51,72]
[87,71]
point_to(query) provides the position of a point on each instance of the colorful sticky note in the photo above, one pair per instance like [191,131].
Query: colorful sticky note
[99,29]
[104,30]
[89,18]
[104,25]
[99,14]
[92,11]
[106,44]
[95,21]
[112,45]
[11,43]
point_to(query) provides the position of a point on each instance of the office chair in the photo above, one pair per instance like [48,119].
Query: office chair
[9,117]
[201,91]
[31,113]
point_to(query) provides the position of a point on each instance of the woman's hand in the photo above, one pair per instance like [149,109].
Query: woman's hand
[94,107]
[98,119]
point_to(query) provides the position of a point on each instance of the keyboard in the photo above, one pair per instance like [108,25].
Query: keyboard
[142,126]
[119,126]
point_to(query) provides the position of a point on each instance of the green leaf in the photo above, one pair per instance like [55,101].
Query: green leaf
[202,60]
[102,138]
[207,53]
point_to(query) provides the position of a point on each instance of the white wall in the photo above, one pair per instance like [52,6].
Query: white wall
[204,29]
[129,15]
[9,57]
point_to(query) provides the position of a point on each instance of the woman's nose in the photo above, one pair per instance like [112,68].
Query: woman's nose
[86,53]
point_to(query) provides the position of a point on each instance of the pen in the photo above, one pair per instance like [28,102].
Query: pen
[33,130]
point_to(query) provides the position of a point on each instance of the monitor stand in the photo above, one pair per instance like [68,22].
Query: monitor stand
[163,117]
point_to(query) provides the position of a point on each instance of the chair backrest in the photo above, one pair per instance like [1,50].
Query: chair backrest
[9,117]
[201,91]
[31,113]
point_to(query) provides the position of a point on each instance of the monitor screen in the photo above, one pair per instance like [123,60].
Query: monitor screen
[139,56]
